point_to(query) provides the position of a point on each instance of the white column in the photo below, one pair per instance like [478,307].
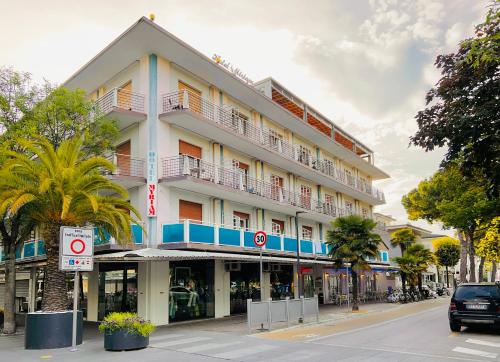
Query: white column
[93,294]
[32,290]
[153,285]
[222,292]
[295,282]
[266,288]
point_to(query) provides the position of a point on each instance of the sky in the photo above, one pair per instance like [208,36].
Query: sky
[365,64]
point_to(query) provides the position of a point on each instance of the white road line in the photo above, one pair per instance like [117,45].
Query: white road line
[436,356]
[207,347]
[474,352]
[166,336]
[483,343]
[180,341]
[243,352]
[297,356]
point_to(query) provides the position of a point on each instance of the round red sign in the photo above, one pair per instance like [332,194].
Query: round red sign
[260,238]
[77,246]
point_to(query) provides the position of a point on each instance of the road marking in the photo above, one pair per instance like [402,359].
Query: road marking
[483,343]
[398,352]
[243,352]
[207,346]
[474,352]
[375,325]
[166,336]
[296,356]
[180,341]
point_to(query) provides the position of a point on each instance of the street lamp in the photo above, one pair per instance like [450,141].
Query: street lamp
[299,289]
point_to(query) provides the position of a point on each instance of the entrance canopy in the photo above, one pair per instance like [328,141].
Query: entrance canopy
[153,254]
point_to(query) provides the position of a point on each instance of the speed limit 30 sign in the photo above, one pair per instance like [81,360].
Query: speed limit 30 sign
[260,238]
[76,249]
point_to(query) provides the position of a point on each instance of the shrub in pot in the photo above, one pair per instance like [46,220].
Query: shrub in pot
[125,331]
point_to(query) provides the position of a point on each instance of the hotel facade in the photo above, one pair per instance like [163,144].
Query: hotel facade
[208,158]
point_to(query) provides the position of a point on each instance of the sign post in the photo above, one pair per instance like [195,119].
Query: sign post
[260,240]
[76,252]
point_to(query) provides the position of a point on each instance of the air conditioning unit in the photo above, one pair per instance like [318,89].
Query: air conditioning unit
[232,266]
[276,267]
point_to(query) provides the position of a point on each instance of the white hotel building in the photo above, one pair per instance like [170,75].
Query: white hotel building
[208,159]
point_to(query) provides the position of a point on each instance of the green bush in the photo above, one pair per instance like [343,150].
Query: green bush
[129,321]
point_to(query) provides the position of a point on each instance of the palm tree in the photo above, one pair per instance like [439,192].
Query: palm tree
[423,258]
[403,238]
[352,241]
[63,186]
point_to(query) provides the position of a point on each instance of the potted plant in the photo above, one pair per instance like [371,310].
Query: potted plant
[125,331]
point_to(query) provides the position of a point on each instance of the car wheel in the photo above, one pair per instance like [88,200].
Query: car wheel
[455,327]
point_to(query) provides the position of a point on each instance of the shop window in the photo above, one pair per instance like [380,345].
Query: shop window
[191,290]
[307,232]
[278,226]
[281,281]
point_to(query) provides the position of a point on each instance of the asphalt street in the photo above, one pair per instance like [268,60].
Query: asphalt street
[422,336]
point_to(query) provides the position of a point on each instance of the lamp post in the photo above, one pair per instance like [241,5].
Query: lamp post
[299,289]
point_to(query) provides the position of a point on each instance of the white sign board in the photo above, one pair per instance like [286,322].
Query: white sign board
[76,249]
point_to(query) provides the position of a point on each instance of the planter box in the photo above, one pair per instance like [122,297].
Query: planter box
[46,330]
[123,340]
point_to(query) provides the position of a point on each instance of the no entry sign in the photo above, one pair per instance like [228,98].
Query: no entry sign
[260,238]
[76,249]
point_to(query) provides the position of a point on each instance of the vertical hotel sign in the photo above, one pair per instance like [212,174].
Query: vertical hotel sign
[152,190]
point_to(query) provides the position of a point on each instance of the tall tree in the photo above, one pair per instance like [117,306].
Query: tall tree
[458,203]
[63,186]
[488,247]
[447,254]
[462,110]
[352,241]
[423,258]
[403,238]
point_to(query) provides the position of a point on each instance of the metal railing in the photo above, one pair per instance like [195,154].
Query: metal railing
[127,165]
[122,99]
[184,165]
[262,136]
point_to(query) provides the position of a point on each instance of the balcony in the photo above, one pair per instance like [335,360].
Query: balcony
[207,236]
[129,171]
[199,115]
[106,239]
[126,107]
[196,175]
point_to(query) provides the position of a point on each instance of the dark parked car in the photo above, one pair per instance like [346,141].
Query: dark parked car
[475,303]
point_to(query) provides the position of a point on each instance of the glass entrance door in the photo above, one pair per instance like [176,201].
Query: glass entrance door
[117,289]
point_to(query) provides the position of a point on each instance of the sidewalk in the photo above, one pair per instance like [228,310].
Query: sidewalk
[344,320]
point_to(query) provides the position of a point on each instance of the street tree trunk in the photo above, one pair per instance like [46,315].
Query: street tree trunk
[447,277]
[493,271]
[9,322]
[403,282]
[463,257]
[55,296]
[355,306]
[420,290]
[480,272]
[472,258]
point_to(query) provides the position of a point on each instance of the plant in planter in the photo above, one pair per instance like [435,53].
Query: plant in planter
[125,331]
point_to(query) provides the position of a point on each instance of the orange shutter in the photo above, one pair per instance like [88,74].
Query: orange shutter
[194,96]
[123,158]
[125,96]
[190,210]
[189,149]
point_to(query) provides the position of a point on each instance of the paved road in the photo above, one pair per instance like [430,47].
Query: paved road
[422,336]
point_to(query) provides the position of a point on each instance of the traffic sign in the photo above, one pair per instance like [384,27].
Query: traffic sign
[76,249]
[260,238]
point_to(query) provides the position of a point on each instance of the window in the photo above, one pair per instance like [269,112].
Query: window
[241,174]
[329,204]
[304,155]
[307,232]
[277,188]
[276,140]
[384,256]
[190,211]
[239,121]
[348,208]
[305,197]
[278,226]
[241,220]
[328,167]
[364,213]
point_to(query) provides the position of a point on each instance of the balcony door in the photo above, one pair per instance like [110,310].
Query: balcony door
[124,98]
[241,220]
[190,211]
[123,159]
[241,174]
[278,226]
[277,188]
[194,96]
[191,164]
[305,197]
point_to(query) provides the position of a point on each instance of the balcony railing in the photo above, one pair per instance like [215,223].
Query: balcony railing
[264,137]
[236,179]
[121,99]
[127,165]
[193,231]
